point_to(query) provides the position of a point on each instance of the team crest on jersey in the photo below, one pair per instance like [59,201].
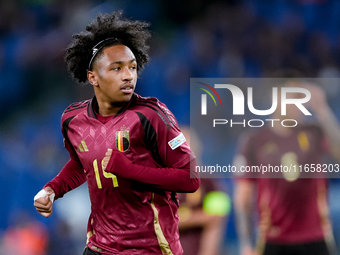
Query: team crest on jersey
[122,140]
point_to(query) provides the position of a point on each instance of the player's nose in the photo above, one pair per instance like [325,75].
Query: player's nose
[127,74]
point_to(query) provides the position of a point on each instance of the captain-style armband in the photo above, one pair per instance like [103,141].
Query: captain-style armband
[43,193]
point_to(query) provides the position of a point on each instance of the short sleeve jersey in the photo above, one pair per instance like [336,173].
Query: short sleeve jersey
[128,217]
[291,210]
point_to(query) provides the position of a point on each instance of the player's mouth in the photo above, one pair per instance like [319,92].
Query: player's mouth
[127,88]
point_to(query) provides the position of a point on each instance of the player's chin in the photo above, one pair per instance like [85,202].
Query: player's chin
[125,97]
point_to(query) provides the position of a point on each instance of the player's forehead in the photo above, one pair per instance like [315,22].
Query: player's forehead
[118,53]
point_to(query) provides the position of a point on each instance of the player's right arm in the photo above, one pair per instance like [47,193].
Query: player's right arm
[70,177]
[243,196]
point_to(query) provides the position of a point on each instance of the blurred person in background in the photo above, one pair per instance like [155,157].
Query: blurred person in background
[293,211]
[203,214]
[26,236]
[128,148]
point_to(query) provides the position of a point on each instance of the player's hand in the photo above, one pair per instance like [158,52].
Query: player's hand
[107,158]
[44,204]
[116,162]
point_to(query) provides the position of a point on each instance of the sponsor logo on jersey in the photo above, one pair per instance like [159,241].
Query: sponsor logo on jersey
[122,140]
[177,141]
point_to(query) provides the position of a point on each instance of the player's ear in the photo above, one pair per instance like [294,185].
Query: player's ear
[92,77]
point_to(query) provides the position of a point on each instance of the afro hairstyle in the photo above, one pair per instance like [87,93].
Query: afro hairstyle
[131,33]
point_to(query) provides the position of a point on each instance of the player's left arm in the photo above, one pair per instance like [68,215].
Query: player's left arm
[162,136]
[326,118]
[183,179]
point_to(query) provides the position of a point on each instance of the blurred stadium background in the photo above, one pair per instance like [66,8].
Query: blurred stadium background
[191,38]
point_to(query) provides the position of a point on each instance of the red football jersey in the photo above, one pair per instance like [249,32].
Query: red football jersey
[127,217]
[292,209]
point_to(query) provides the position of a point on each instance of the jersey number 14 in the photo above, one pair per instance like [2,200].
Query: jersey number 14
[106,175]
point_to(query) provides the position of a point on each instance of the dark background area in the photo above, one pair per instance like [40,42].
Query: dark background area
[210,39]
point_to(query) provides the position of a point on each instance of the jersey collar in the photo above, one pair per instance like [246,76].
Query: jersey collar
[93,107]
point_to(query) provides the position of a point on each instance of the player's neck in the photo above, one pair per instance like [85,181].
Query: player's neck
[106,109]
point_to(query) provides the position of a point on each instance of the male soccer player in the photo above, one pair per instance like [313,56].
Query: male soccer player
[128,148]
[292,209]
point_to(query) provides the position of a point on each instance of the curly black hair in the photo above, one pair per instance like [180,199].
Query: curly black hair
[131,33]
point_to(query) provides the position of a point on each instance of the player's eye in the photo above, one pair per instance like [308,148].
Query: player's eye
[116,68]
[133,67]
